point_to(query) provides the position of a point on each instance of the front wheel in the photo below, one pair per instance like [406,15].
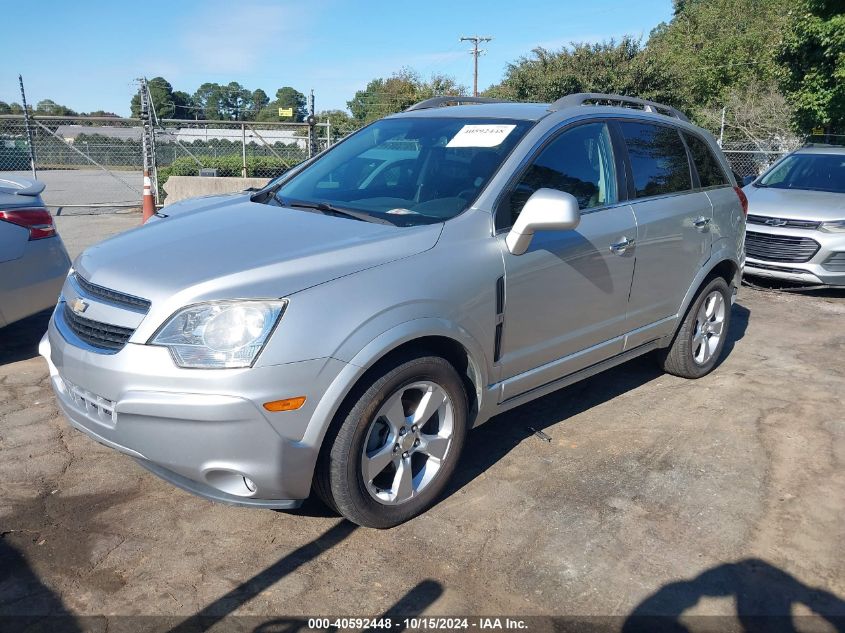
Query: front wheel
[398,445]
[700,339]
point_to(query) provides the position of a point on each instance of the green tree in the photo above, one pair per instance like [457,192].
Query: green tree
[101,113]
[5,108]
[259,101]
[814,59]
[402,89]
[237,101]
[286,97]
[714,48]
[161,93]
[622,67]
[183,105]
[208,99]
[341,123]
[48,107]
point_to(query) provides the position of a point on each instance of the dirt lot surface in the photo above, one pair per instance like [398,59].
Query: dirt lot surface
[655,495]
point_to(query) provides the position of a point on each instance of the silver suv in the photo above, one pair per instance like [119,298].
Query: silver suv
[796,218]
[342,329]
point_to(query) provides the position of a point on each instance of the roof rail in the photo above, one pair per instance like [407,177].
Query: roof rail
[581,98]
[439,102]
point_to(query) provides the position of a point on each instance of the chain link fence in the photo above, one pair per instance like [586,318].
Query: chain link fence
[98,161]
[234,148]
[752,158]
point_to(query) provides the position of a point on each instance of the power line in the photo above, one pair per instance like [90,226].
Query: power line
[475,52]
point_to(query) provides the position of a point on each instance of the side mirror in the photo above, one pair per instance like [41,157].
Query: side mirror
[747,180]
[546,209]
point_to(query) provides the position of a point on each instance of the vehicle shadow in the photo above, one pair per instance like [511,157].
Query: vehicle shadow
[250,588]
[765,598]
[740,317]
[493,440]
[26,603]
[19,341]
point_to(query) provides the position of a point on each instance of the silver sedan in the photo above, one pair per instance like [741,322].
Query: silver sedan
[33,259]
[796,218]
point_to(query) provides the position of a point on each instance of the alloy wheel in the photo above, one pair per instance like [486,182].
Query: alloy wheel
[407,442]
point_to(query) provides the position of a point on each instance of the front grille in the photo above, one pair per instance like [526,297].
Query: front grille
[779,248]
[789,224]
[835,263]
[111,296]
[102,335]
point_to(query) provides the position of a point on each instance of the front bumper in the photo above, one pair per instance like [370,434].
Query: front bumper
[826,266]
[203,430]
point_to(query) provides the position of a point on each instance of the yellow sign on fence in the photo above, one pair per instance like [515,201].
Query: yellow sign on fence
[817,131]
[285,112]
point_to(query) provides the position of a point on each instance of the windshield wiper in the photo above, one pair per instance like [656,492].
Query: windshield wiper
[325,207]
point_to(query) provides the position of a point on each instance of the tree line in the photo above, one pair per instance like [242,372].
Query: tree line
[776,66]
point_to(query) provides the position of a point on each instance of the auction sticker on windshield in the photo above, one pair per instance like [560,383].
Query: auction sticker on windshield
[481,135]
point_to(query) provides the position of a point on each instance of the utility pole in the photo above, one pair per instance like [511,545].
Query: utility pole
[28,130]
[312,127]
[475,52]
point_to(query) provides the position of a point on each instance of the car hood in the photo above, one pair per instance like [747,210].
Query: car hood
[230,247]
[797,204]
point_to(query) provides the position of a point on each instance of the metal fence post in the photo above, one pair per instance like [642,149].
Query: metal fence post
[28,129]
[328,133]
[243,144]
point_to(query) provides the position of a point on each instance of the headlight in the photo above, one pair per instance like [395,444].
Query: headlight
[837,226]
[220,334]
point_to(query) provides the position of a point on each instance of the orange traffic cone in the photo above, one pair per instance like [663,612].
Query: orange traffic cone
[149,202]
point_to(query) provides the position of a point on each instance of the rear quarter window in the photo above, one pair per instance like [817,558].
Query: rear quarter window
[710,172]
[658,158]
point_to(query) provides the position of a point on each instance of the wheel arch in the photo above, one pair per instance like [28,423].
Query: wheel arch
[428,335]
[724,265]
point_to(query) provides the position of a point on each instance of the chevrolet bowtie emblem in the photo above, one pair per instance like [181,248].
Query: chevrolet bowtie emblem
[78,306]
[776,222]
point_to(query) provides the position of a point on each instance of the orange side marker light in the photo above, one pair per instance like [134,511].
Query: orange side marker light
[288,404]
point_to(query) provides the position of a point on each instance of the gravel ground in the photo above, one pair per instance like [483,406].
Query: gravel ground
[656,495]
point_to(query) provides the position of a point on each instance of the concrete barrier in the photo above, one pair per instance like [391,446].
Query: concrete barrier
[182,187]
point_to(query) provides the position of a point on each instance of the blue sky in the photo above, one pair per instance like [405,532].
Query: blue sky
[85,55]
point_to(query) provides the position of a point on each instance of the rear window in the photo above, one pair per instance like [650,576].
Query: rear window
[710,173]
[658,159]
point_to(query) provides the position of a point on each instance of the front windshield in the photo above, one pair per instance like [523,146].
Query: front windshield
[406,170]
[815,172]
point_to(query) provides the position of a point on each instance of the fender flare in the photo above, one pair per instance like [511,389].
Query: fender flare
[722,252]
[377,349]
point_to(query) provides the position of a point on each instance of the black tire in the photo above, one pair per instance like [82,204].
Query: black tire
[339,480]
[678,359]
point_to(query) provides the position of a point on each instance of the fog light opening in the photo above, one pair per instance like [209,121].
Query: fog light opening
[250,484]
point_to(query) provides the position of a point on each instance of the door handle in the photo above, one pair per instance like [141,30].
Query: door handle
[701,222]
[620,247]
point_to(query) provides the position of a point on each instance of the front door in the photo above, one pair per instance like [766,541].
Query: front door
[566,296]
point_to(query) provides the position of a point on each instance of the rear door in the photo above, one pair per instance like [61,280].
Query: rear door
[674,220]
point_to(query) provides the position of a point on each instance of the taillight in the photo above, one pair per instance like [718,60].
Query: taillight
[37,220]
[743,200]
